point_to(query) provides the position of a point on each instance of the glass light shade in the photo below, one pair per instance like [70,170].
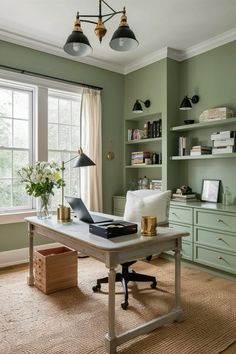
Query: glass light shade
[77,44]
[185,104]
[123,39]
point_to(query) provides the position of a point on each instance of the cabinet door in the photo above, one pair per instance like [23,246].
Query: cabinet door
[185,228]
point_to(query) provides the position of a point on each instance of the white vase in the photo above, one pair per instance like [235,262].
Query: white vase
[44,206]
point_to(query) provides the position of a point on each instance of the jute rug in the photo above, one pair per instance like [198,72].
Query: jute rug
[74,321]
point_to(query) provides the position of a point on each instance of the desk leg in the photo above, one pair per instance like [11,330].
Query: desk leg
[110,338]
[30,279]
[177,279]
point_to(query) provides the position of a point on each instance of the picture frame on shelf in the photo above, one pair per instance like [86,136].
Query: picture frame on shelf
[210,190]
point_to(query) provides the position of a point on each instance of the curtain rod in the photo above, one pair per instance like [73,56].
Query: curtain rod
[26,72]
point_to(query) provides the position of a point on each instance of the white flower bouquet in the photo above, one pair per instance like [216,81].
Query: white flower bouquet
[41,178]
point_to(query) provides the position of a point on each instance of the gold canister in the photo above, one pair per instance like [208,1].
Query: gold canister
[148,225]
[63,214]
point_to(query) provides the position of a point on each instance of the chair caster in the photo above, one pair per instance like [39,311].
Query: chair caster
[154,285]
[124,305]
[96,288]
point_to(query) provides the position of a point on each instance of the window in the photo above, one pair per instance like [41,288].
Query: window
[27,111]
[16,118]
[64,137]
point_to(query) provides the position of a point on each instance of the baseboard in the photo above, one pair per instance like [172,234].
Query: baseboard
[20,256]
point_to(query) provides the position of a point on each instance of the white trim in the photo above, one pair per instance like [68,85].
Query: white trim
[55,49]
[20,256]
[179,55]
[209,44]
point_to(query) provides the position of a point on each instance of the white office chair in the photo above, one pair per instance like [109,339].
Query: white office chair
[140,203]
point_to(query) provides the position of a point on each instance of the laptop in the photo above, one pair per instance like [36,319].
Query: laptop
[82,212]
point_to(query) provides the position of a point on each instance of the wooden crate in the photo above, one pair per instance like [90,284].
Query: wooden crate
[55,269]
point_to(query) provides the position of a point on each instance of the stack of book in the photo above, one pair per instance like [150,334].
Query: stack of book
[153,129]
[184,197]
[156,184]
[223,142]
[200,150]
[138,157]
[184,146]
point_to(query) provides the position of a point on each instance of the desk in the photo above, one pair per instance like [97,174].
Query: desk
[113,252]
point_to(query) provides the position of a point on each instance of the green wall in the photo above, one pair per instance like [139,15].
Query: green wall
[212,76]
[112,116]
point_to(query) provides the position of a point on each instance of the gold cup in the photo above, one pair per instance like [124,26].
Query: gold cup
[148,225]
[63,214]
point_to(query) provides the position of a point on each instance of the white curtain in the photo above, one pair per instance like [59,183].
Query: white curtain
[91,143]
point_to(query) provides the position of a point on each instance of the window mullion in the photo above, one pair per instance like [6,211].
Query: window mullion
[42,125]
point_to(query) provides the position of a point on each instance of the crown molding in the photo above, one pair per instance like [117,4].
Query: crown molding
[166,52]
[209,44]
[43,46]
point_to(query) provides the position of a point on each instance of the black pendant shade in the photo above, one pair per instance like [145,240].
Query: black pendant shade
[186,103]
[137,108]
[123,39]
[77,44]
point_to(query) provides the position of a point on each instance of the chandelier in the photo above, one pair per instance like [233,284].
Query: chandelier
[123,39]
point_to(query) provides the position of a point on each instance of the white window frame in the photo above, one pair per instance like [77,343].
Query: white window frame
[40,131]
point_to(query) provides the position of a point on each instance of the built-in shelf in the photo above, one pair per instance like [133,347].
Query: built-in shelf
[141,141]
[212,124]
[143,166]
[147,117]
[204,157]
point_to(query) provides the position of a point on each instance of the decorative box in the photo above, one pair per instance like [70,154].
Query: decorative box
[55,269]
[113,229]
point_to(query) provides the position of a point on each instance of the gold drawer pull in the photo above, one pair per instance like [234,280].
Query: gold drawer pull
[173,213]
[220,239]
[220,258]
[220,220]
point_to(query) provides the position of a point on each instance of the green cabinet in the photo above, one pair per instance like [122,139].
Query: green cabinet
[215,238]
[181,218]
[118,203]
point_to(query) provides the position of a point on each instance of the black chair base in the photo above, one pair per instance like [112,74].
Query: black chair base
[124,277]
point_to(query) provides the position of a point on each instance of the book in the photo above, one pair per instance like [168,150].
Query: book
[184,200]
[226,134]
[224,142]
[223,150]
[184,196]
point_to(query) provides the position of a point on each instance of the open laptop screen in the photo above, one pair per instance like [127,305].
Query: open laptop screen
[82,212]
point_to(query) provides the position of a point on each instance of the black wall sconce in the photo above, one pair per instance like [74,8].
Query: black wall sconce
[138,107]
[186,103]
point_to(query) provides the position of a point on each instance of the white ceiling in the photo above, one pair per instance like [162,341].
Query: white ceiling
[157,24]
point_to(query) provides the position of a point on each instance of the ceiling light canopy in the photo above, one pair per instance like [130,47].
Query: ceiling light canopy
[123,39]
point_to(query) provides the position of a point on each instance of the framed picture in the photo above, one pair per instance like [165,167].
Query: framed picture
[210,190]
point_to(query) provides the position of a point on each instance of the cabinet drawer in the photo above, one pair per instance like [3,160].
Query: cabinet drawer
[119,203]
[215,239]
[181,215]
[118,212]
[187,250]
[186,228]
[220,221]
[216,259]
